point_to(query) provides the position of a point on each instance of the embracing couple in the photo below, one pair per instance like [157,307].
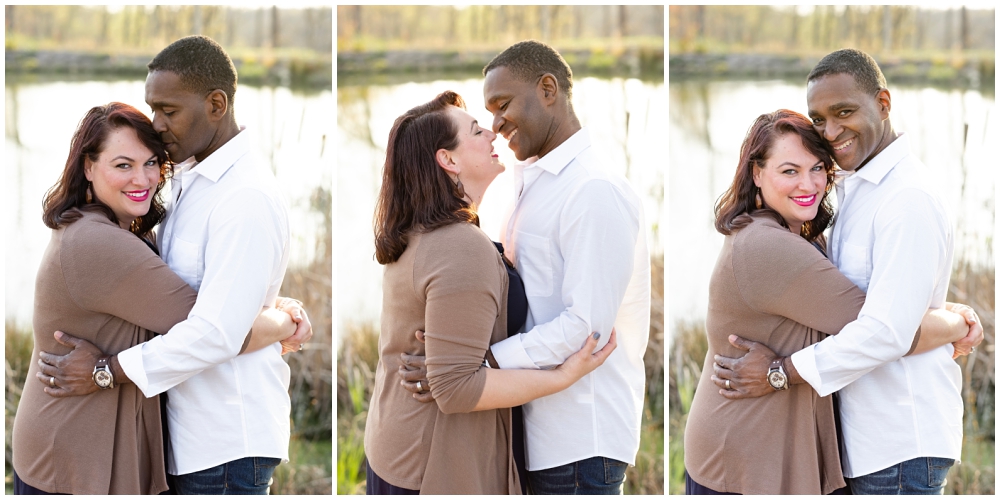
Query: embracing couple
[554,317]
[822,366]
[208,281]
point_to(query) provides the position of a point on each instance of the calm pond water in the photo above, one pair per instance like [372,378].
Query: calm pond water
[291,128]
[948,130]
[365,113]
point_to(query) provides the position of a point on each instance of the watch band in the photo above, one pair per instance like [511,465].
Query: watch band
[103,376]
[776,375]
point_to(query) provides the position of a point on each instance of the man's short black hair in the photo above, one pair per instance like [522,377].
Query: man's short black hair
[530,59]
[853,62]
[201,63]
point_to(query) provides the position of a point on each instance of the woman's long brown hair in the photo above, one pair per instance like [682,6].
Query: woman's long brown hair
[734,208]
[416,193]
[67,199]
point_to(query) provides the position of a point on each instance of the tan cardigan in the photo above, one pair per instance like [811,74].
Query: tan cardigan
[452,284]
[101,283]
[773,287]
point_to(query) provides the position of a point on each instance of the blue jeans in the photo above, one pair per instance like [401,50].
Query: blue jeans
[919,476]
[244,476]
[591,476]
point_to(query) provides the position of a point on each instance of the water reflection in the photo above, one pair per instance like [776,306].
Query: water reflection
[290,128]
[624,117]
[948,130]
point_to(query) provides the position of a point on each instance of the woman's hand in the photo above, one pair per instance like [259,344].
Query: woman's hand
[303,330]
[586,360]
[967,344]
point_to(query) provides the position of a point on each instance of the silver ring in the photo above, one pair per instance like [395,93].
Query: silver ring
[728,386]
[300,347]
[420,388]
[52,381]
[973,350]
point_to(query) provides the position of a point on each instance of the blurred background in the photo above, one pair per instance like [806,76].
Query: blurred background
[729,64]
[63,60]
[390,59]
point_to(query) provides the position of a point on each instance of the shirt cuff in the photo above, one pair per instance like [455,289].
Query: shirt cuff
[131,362]
[805,363]
[510,354]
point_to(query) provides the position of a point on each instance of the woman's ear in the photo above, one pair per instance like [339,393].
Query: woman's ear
[445,161]
[88,167]
[756,175]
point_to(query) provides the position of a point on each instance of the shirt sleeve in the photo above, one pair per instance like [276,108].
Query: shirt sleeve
[109,270]
[245,245]
[462,286]
[598,230]
[780,273]
[910,247]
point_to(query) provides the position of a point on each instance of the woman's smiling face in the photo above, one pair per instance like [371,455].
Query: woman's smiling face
[125,175]
[792,181]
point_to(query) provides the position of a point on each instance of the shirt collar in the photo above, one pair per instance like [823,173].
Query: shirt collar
[219,162]
[563,154]
[882,164]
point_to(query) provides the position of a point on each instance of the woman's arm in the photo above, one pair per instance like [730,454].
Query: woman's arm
[939,327]
[507,388]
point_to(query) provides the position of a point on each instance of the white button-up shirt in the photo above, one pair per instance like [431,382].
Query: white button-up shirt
[892,238]
[226,236]
[577,239]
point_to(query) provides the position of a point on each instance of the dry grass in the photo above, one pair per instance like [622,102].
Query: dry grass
[358,356]
[974,476]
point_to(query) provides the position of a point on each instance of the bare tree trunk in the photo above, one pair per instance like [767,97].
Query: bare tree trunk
[275,28]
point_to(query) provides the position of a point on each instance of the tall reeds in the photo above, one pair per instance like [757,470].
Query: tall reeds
[975,475]
[358,355]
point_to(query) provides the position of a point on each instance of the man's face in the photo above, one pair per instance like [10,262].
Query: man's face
[518,114]
[180,116]
[850,119]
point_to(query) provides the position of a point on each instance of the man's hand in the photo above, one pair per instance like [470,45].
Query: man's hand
[414,370]
[71,374]
[303,330]
[967,344]
[747,375]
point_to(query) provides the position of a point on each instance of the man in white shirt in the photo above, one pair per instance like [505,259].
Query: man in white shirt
[226,235]
[577,238]
[901,416]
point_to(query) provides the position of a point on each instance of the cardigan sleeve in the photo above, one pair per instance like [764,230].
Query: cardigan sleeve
[109,270]
[780,273]
[456,271]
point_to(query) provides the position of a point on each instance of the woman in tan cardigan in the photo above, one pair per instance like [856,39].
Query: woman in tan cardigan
[444,276]
[773,284]
[101,278]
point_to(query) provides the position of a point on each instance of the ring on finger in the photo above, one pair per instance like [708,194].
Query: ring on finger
[52,381]
[729,386]
[420,388]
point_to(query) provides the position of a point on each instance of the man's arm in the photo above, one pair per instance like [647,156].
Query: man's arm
[597,238]
[909,250]
[244,252]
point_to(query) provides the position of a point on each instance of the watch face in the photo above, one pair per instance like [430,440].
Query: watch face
[102,378]
[776,379]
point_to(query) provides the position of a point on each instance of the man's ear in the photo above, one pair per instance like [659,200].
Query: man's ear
[884,101]
[445,161]
[217,103]
[548,87]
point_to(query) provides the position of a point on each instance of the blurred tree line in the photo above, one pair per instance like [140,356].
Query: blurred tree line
[881,29]
[144,29]
[368,28]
